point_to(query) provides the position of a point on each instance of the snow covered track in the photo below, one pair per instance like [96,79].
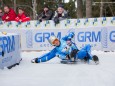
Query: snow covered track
[53,73]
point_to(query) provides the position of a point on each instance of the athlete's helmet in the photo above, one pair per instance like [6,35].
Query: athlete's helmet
[52,39]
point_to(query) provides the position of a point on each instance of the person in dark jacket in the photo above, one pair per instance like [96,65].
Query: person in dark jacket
[9,14]
[47,14]
[60,14]
[21,17]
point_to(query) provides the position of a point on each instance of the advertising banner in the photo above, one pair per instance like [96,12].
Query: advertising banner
[37,39]
[9,50]
[100,38]
[99,32]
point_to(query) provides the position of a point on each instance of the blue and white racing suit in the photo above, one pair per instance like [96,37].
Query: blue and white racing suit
[64,49]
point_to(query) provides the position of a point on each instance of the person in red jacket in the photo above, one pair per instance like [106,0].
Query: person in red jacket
[9,14]
[21,17]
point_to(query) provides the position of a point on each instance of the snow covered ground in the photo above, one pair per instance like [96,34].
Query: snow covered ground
[53,73]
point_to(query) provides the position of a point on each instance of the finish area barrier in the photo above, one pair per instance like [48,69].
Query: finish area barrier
[99,32]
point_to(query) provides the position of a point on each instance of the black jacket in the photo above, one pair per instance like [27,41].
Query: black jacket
[46,16]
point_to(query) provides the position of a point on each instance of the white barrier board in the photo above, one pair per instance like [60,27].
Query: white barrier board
[99,32]
[9,50]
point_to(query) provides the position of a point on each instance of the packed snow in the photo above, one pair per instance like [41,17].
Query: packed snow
[53,73]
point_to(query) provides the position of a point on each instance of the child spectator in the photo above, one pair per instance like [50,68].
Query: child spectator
[21,17]
[9,14]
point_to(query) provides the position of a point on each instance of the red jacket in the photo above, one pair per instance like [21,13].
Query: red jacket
[11,14]
[22,18]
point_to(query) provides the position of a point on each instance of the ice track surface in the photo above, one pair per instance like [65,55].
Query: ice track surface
[53,73]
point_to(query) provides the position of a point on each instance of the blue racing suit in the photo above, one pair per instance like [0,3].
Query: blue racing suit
[64,49]
[84,52]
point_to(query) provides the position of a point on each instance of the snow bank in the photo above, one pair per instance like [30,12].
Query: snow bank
[53,73]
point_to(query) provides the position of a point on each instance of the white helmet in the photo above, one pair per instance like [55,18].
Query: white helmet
[52,39]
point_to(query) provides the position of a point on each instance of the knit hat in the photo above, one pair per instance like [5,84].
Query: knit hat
[61,5]
[46,6]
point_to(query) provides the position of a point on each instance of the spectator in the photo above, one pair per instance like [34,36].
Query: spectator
[60,14]
[21,17]
[9,14]
[46,14]
[1,14]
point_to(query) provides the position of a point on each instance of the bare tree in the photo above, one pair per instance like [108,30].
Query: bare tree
[15,5]
[1,3]
[101,8]
[79,8]
[88,8]
[34,8]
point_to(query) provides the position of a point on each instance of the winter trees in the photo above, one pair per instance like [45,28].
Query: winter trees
[79,9]
[88,8]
